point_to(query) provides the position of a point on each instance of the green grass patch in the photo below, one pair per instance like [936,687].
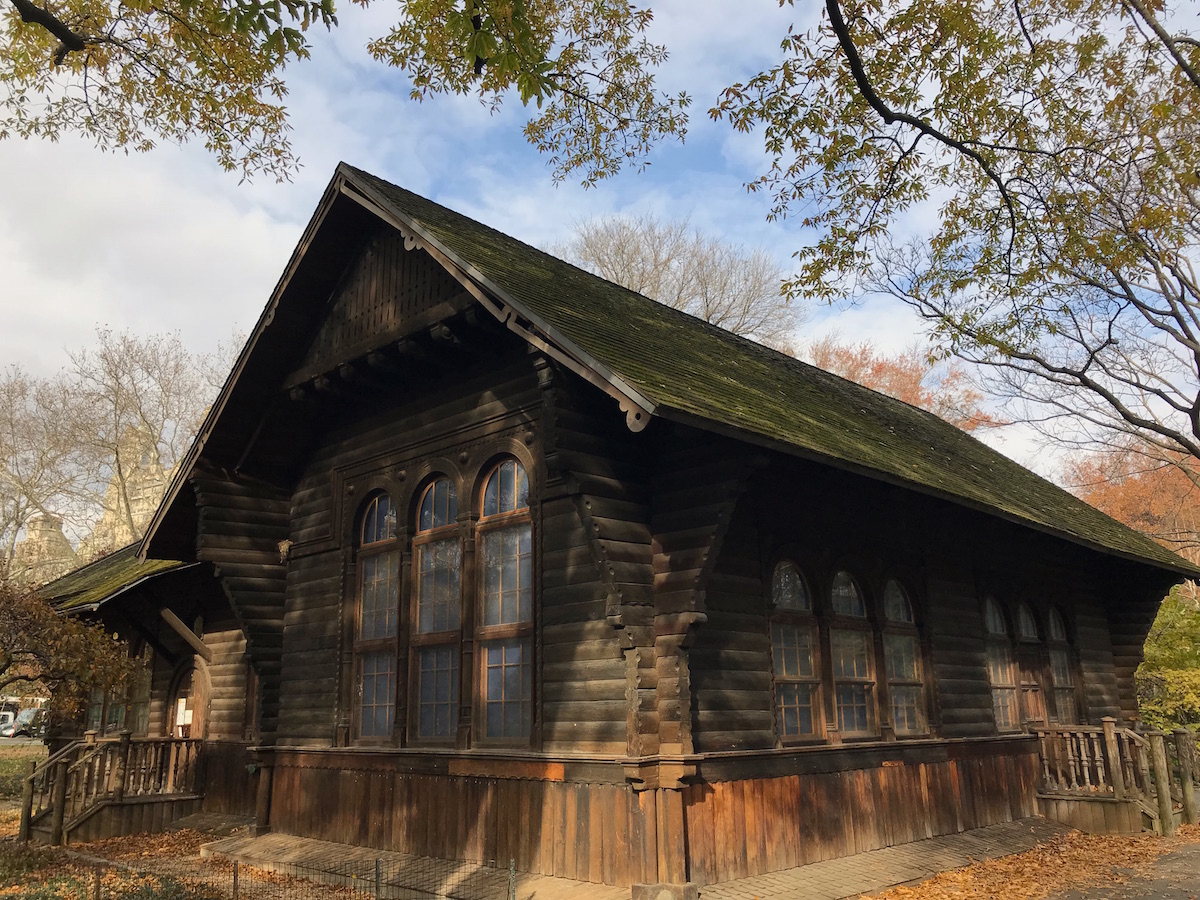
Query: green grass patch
[14,762]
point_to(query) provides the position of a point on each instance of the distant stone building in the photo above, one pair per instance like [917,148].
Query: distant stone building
[44,554]
[130,500]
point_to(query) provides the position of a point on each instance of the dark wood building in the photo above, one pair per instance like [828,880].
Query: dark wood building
[523,565]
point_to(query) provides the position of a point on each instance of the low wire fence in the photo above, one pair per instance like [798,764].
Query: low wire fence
[36,874]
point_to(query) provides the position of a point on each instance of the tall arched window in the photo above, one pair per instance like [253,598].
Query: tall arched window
[504,626]
[794,662]
[1061,675]
[1001,671]
[437,613]
[902,656]
[851,649]
[378,565]
[1030,666]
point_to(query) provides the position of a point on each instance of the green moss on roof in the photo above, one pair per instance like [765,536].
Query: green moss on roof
[90,585]
[686,366]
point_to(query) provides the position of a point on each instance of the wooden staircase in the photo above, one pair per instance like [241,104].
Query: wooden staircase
[1110,779]
[94,789]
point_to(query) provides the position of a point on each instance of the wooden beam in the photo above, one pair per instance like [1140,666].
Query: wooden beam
[187,634]
[150,639]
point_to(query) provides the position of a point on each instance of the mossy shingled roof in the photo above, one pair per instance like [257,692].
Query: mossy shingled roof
[88,586]
[691,370]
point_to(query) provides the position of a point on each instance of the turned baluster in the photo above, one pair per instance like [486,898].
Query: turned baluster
[1085,760]
[1098,754]
[1048,783]
[1073,783]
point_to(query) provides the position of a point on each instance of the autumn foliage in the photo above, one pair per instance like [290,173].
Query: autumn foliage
[944,390]
[68,657]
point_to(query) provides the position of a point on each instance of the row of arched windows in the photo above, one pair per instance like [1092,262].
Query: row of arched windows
[502,618]
[842,659]
[1031,678]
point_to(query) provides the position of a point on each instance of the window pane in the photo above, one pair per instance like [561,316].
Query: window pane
[438,692]
[1064,699]
[507,489]
[908,712]
[795,704]
[1026,624]
[791,650]
[850,651]
[1000,666]
[895,603]
[439,566]
[847,599]
[507,575]
[994,619]
[901,652]
[377,693]
[379,521]
[1058,631]
[1060,668]
[508,683]
[1004,703]
[855,708]
[788,590]
[380,596]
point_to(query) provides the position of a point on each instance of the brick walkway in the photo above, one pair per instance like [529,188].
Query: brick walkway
[412,878]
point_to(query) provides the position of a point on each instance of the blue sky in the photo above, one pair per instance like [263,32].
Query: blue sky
[166,241]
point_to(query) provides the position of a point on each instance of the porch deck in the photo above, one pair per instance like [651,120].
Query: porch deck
[828,880]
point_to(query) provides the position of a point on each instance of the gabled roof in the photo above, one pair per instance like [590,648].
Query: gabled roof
[661,362]
[85,589]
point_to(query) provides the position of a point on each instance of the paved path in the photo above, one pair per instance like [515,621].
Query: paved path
[876,870]
[418,878]
[1174,876]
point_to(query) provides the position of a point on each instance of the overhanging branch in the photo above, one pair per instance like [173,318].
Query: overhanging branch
[69,40]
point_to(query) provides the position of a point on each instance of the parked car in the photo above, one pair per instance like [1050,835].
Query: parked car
[6,719]
[29,722]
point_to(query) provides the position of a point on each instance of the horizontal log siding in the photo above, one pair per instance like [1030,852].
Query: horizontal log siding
[227,679]
[1097,665]
[240,528]
[312,640]
[596,575]
[602,833]
[754,826]
[730,658]
[959,656]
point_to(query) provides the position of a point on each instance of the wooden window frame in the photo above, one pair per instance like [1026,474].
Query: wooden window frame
[842,622]
[364,647]
[997,641]
[799,619]
[909,629]
[420,641]
[484,635]
[1061,644]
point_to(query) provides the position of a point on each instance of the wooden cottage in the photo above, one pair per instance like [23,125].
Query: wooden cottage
[516,563]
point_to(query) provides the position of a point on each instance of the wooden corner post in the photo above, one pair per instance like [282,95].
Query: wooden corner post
[1162,782]
[1185,747]
[58,808]
[27,801]
[1116,773]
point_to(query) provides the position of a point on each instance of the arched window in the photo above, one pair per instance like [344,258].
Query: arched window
[851,650]
[504,627]
[1030,666]
[378,608]
[1001,671]
[437,598]
[902,655]
[1062,677]
[794,655]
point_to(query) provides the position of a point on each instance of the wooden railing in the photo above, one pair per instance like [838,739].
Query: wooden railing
[86,773]
[1108,762]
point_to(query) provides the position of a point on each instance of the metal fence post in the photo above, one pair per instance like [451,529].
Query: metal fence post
[512,880]
[378,877]
[235,880]
[96,884]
